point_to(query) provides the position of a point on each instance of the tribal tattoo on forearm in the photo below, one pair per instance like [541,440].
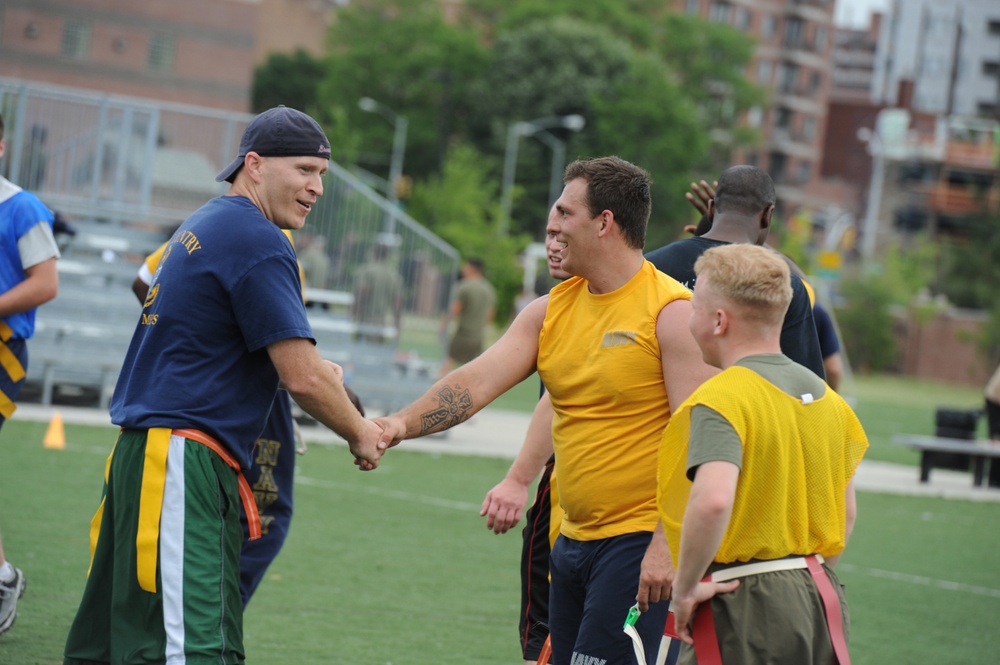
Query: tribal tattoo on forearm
[455,406]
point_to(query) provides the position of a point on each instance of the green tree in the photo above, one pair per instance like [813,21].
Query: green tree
[286,79]
[970,273]
[866,323]
[460,205]
[403,54]
[554,67]
[866,319]
[645,117]
[630,98]
[710,62]
[631,20]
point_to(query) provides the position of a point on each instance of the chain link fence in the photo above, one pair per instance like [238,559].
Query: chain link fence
[123,173]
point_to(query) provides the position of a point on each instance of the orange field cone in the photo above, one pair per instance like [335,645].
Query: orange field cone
[55,435]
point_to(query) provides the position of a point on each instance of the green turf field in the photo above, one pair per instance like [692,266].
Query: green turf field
[396,566]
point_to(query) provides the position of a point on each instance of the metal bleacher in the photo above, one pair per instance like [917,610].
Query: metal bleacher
[124,173]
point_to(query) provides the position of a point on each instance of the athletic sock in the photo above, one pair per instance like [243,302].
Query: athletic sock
[6,572]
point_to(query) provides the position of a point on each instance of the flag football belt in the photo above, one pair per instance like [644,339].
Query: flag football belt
[11,365]
[154,473]
[706,644]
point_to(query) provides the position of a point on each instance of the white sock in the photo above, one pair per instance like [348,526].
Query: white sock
[6,572]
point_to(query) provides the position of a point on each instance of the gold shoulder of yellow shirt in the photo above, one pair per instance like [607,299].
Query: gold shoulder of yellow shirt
[811,292]
[302,272]
[153,259]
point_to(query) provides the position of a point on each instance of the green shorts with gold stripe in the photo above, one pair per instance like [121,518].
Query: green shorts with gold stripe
[163,584]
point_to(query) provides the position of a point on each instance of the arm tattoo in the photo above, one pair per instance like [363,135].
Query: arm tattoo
[455,406]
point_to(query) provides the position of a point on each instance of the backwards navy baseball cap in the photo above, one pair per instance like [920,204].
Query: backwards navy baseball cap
[279,132]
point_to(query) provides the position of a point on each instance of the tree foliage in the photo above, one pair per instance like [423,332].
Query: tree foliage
[287,79]
[644,117]
[460,205]
[403,54]
[970,273]
[657,88]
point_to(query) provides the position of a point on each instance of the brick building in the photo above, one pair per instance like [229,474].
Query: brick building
[200,52]
[791,60]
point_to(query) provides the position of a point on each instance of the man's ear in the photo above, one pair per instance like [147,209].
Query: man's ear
[765,217]
[710,214]
[606,221]
[252,164]
[721,322]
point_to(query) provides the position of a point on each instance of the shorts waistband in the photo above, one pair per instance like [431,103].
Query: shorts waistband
[760,567]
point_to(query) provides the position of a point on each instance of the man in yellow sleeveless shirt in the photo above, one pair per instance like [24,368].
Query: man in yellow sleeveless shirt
[755,483]
[610,344]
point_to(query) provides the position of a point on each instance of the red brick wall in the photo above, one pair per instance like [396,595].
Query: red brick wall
[943,348]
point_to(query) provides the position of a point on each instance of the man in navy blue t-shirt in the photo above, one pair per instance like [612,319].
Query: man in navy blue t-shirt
[223,323]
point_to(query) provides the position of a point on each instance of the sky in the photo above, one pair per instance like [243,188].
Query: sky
[855,13]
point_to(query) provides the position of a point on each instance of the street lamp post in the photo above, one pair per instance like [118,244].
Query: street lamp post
[869,228]
[538,129]
[400,124]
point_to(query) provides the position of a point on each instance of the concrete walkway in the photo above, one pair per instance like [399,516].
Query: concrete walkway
[499,433]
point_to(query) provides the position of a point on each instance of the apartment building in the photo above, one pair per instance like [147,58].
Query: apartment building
[948,50]
[792,60]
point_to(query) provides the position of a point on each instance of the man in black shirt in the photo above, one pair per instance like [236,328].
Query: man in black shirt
[741,213]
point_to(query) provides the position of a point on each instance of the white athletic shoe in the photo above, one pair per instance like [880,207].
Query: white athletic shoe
[9,593]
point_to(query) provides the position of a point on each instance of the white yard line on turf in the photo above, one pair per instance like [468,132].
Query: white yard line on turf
[919,579]
[392,494]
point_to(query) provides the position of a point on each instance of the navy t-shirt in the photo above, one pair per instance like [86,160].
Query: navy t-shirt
[226,287]
[799,340]
[828,342]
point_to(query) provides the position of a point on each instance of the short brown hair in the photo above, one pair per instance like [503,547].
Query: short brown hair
[756,279]
[619,186]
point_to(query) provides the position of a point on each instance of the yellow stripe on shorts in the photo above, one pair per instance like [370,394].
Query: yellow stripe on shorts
[95,521]
[10,363]
[7,407]
[154,475]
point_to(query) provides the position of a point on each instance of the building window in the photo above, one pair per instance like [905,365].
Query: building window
[768,25]
[804,171]
[808,128]
[994,28]
[815,81]
[692,6]
[75,39]
[991,69]
[764,70]
[821,38]
[755,117]
[793,33]
[161,53]
[742,18]
[783,118]
[719,12]
[777,163]
[788,73]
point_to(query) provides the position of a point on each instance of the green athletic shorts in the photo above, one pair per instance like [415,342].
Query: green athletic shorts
[194,615]
[774,618]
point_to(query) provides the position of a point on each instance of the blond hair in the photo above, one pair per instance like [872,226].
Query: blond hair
[755,279]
